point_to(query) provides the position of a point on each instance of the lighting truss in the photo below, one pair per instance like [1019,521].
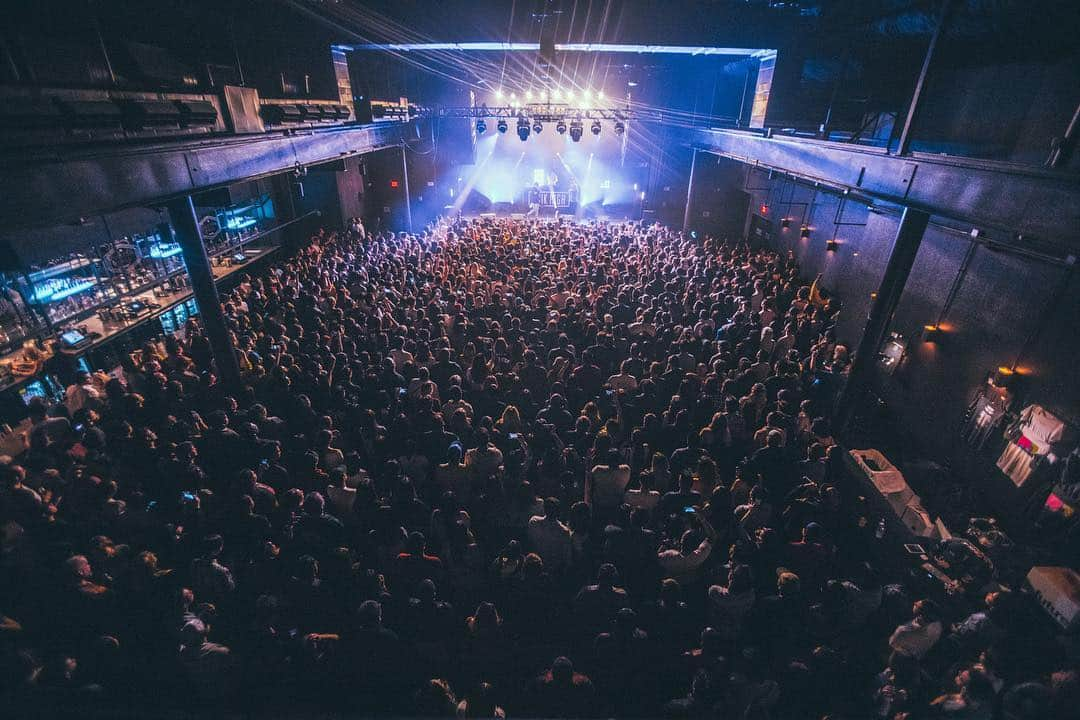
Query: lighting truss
[544,112]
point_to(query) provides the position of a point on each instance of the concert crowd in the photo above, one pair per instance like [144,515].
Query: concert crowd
[496,468]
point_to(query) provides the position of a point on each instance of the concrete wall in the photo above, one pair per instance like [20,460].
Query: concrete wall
[1006,306]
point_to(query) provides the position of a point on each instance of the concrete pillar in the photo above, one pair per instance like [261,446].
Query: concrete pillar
[906,246]
[186,226]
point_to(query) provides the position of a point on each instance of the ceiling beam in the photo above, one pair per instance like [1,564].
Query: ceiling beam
[52,187]
[1040,204]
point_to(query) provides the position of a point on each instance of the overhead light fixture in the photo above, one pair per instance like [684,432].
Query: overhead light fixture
[595,127]
[502,126]
[832,246]
[804,232]
[537,126]
[560,127]
[785,223]
[576,130]
[619,127]
[523,129]
[481,126]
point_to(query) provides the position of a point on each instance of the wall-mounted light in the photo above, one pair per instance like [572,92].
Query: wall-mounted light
[832,246]
[785,223]
[804,232]
[932,333]
[1004,377]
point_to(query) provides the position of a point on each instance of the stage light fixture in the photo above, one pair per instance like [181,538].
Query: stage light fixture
[523,129]
[481,127]
[576,130]
[569,96]
[560,127]
[586,96]
[502,126]
[595,127]
[537,126]
[600,96]
[528,95]
[620,127]
[499,94]
[557,95]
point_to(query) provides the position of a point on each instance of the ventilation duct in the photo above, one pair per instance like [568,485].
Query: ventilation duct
[282,114]
[197,112]
[91,113]
[139,114]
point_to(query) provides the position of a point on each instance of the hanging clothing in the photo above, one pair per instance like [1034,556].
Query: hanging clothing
[985,414]
[1038,431]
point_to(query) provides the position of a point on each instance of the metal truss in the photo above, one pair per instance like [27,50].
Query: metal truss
[544,112]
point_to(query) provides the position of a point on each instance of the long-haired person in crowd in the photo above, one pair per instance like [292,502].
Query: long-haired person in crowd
[496,468]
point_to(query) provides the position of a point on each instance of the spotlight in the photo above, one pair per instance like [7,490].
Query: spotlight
[528,95]
[560,127]
[804,232]
[620,127]
[499,94]
[502,126]
[537,126]
[576,130]
[481,127]
[832,246]
[586,96]
[785,223]
[569,96]
[600,96]
[595,127]
[557,95]
[523,129]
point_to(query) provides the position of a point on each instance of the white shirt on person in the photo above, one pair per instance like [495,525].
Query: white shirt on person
[622,381]
[915,639]
[551,541]
[684,567]
[608,484]
[341,499]
[644,499]
[76,397]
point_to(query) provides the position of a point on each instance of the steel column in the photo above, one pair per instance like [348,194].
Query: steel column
[905,247]
[920,84]
[186,225]
[405,188]
[689,191]
[1063,146]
